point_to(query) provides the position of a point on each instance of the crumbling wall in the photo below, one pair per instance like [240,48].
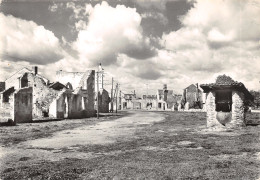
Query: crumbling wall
[212,122]
[81,104]
[75,106]
[89,99]
[238,110]
[7,110]
[104,100]
[57,108]
[193,96]
[43,96]
[23,105]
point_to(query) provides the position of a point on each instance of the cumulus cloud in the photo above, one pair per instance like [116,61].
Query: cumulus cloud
[110,31]
[181,39]
[22,40]
[225,20]
[216,39]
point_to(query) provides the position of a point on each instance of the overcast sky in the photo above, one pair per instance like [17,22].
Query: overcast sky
[142,43]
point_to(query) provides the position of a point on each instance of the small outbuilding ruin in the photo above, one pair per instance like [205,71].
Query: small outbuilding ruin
[226,102]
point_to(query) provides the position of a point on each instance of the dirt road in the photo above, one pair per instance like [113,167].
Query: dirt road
[64,144]
[133,145]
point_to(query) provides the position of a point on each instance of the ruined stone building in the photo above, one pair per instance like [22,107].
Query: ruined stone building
[149,102]
[29,96]
[129,101]
[22,94]
[164,100]
[80,97]
[192,97]
[226,101]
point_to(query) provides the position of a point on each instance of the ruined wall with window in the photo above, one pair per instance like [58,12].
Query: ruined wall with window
[192,97]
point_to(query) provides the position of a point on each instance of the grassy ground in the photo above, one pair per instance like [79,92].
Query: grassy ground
[177,148]
[10,135]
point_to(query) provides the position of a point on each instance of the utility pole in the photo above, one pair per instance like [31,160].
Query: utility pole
[120,100]
[116,93]
[112,96]
[97,95]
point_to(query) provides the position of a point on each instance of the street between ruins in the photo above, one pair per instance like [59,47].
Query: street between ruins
[100,133]
[133,144]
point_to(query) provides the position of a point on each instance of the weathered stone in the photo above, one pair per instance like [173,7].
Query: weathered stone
[212,122]
[238,109]
[225,103]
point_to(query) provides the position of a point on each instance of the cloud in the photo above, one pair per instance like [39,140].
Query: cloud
[229,19]
[181,39]
[215,38]
[157,4]
[22,40]
[111,31]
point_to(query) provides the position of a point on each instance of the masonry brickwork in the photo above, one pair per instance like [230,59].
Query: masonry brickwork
[238,110]
[212,121]
[225,103]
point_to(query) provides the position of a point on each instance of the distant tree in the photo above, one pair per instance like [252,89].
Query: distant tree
[256,95]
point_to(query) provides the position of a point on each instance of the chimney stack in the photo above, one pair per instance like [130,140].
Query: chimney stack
[35,70]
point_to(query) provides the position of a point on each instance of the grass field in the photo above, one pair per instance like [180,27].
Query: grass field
[179,147]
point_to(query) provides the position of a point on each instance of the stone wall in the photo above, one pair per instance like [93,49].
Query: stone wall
[212,122]
[192,94]
[75,106]
[23,105]
[104,100]
[43,96]
[7,110]
[57,108]
[238,115]
[238,109]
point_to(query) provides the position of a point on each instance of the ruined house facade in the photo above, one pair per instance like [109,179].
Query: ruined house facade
[164,100]
[28,96]
[192,97]
[79,99]
[129,100]
[226,101]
